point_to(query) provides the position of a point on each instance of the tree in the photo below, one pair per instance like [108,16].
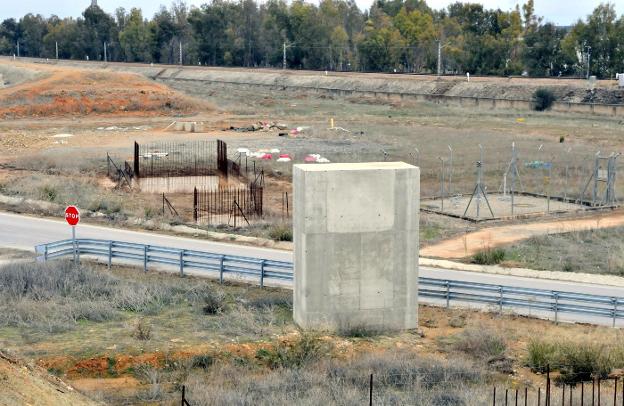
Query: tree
[137,39]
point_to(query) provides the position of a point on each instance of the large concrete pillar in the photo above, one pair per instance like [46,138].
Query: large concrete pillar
[356,245]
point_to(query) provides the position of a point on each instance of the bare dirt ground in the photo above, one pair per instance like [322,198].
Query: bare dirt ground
[67,92]
[27,384]
[491,237]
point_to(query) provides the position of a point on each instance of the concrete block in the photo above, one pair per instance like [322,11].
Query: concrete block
[356,245]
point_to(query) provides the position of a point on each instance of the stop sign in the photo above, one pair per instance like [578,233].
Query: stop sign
[72,215]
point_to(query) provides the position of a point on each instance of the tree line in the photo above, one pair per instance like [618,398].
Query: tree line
[393,36]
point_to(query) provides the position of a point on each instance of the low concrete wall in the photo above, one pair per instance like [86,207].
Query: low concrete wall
[177,184]
[356,245]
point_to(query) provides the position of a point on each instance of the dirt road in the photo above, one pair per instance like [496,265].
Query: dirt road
[471,243]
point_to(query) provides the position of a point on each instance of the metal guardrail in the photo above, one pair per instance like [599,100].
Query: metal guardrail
[181,258]
[446,291]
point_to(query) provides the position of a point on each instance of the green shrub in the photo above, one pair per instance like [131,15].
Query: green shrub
[48,193]
[489,256]
[281,233]
[543,99]
[540,354]
[203,361]
[581,362]
[307,348]
[576,362]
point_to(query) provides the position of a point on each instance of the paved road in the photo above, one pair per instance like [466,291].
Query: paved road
[24,232]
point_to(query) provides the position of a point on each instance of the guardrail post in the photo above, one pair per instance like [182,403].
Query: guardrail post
[221,269]
[110,254]
[145,258]
[45,253]
[556,307]
[262,273]
[448,294]
[500,299]
[181,262]
[78,251]
[614,299]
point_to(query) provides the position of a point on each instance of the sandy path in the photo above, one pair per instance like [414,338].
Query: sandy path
[471,243]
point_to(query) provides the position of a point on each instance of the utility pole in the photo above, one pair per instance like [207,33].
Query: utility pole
[105,53]
[284,57]
[56,44]
[180,52]
[439,58]
[18,49]
[588,60]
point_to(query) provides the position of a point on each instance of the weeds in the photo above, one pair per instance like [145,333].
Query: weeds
[55,296]
[576,362]
[142,330]
[489,256]
[281,232]
[480,343]
[305,349]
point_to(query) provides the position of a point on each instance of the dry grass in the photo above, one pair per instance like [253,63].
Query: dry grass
[589,251]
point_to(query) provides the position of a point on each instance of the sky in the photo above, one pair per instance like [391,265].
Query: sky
[561,12]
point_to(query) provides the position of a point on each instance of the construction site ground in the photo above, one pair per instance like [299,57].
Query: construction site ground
[54,152]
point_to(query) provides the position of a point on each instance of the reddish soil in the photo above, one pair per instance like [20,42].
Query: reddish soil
[77,92]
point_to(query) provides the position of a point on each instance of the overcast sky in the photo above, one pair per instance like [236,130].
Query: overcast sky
[563,12]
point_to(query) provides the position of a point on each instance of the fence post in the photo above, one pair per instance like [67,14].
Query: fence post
[110,254]
[593,391]
[181,262]
[506,397]
[526,396]
[582,393]
[107,166]
[516,403]
[539,396]
[370,391]
[145,258]
[547,394]
[448,294]
[563,395]
[614,310]
[556,294]
[195,211]
[262,273]
[221,269]
[183,395]
[494,397]
[615,391]
[599,394]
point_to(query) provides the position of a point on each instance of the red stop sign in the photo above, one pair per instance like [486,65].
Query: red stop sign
[72,215]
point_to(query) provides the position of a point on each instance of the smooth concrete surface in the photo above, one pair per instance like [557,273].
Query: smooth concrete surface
[356,245]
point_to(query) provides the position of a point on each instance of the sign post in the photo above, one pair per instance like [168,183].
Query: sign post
[72,216]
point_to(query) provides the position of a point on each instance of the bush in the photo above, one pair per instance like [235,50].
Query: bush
[480,343]
[540,354]
[489,256]
[543,99]
[203,361]
[142,330]
[307,348]
[281,233]
[576,362]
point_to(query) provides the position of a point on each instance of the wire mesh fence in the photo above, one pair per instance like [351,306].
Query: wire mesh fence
[188,158]
[227,203]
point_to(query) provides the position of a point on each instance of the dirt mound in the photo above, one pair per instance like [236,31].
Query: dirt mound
[23,384]
[71,91]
